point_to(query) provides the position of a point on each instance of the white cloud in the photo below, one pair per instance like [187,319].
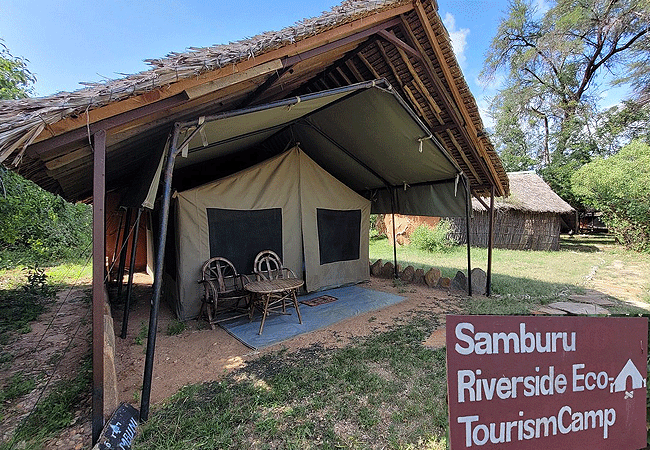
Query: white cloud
[458,38]
[542,7]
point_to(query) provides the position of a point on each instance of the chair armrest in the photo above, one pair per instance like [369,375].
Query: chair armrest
[290,272]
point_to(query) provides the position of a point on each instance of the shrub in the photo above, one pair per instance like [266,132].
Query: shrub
[619,186]
[433,239]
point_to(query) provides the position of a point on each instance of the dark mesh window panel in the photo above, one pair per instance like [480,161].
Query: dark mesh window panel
[240,235]
[338,234]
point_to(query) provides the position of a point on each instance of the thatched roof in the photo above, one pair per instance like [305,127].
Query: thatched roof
[46,139]
[529,193]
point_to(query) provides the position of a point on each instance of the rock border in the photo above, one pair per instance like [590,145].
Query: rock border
[432,278]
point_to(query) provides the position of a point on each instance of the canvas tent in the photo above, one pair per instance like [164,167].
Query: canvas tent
[351,150]
[287,204]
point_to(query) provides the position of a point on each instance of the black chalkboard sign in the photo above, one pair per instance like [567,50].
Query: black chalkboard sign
[119,432]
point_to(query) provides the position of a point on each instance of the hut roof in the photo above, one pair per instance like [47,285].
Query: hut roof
[529,193]
[404,41]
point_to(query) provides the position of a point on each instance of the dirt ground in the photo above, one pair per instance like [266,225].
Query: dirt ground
[200,354]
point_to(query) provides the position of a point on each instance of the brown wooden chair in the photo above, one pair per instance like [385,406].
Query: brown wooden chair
[268,267]
[224,297]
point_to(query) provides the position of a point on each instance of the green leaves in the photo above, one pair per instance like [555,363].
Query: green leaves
[620,187]
[15,78]
[553,60]
[39,223]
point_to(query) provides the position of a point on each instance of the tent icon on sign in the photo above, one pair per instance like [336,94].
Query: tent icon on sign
[621,382]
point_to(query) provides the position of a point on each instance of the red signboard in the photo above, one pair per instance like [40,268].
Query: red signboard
[517,382]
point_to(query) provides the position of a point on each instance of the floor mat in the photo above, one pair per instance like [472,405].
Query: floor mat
[320,300]
[351,301]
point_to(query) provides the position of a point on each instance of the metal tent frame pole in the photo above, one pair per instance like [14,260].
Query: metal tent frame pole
[129,286]
[158,275]
[488,283]
[99,269]
[123,247]
[393,200]
[468,206]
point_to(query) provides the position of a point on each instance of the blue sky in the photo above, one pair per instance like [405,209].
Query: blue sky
[70,41]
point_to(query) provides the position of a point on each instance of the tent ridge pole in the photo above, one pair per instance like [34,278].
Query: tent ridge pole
[158,274]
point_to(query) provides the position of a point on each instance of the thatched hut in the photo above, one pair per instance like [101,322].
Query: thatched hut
[529,219]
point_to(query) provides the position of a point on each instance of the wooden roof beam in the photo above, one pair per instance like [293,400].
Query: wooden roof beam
[450,104]
[431,35]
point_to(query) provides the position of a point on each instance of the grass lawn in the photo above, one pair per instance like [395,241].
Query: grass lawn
[382,391]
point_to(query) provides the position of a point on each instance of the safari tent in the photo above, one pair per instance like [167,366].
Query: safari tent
[312,203]
[334,86]
[288,204]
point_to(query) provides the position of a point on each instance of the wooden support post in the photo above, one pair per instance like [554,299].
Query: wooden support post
[99,237]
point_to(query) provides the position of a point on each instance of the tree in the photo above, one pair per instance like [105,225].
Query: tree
[619,186]
[32,220]
[552,61]
[15,79]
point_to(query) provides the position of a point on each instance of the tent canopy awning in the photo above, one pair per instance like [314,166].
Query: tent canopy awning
[365,135]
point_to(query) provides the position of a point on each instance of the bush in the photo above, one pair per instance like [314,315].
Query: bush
[433,239]
[619,186]
[39,227]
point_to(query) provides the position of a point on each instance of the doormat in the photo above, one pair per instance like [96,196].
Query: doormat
[319,300]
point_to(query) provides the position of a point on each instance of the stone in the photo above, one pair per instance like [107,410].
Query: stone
[432,277]
[408,274]
[578,308]
[375,268]
[388,271]
[419,276]
[444,282]
[479,281]
[459,283]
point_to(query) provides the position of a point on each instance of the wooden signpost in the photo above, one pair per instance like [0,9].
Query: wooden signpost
[517,382]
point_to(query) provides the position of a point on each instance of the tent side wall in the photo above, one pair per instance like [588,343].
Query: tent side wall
[335,227]
[514,230]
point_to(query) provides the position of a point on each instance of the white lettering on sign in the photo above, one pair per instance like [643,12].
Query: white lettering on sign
[566,421]
[482,343]
[472,388]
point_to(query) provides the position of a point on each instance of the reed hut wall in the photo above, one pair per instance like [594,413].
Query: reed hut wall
[513,229]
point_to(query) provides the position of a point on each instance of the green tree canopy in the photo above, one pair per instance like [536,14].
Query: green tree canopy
[554,63]
[15,79]
[35,225]
[620,187]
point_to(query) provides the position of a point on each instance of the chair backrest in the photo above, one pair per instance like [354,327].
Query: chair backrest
[221,274]
[268,265]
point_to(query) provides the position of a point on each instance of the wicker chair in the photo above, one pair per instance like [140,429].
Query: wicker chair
[224,297]
[268,266]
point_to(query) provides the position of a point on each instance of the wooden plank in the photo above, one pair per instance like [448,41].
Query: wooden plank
[68,158]
[369,66]
[389,63]
[353,68]
[470,166]
[420,84]
[163,92]
[220,83]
